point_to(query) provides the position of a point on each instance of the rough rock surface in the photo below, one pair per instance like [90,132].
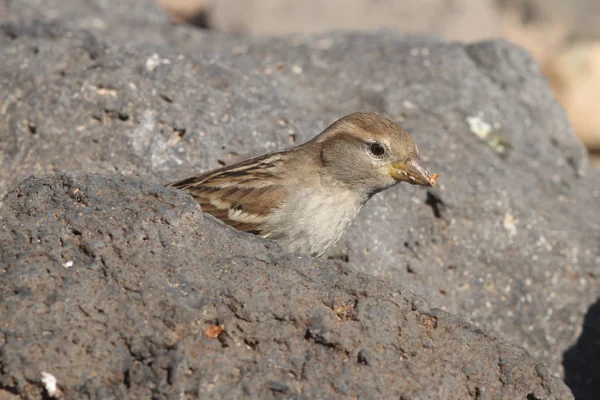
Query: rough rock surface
[121,20]
[116,287]
[509,240]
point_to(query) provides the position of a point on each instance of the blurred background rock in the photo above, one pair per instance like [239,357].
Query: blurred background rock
[563,36]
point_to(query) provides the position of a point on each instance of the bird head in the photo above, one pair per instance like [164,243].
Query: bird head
[372,153]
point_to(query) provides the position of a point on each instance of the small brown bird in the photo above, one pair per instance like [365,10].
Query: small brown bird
[306,197]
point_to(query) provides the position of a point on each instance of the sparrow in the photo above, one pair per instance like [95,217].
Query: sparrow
[306,197]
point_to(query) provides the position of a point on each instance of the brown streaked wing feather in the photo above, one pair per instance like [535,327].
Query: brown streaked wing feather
[241,195]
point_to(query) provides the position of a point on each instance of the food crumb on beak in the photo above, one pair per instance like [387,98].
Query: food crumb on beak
[433,179]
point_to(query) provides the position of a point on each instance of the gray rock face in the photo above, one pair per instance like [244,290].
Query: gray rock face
[121,288]
[119,20]
[509,239]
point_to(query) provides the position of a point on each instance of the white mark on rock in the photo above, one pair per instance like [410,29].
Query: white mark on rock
[106,92]
[479,127]
[542,242]
[154,61]
[407,104]
[153,145]
[296,69]
[510,224]
[50,384]
[68,264]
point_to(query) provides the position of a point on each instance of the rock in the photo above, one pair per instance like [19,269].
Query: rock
[186,11]
[563,37]
[507,240]
[575,74]
[580,17]
[121,288]
[459,20]
[119,20]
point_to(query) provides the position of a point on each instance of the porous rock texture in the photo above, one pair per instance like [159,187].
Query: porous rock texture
[508,239]
[113,284]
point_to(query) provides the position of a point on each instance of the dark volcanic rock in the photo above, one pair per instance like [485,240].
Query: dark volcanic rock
[510,237]
[112,285]
[121,20]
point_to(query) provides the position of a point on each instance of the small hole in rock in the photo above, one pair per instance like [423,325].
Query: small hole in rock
[341,257]
[362,358]
[165,98]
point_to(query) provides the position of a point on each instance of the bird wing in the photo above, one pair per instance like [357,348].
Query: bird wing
[241,195]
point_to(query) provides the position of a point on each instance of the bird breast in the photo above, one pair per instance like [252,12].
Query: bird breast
[311,221]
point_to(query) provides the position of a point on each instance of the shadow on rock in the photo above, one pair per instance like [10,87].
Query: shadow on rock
[582,360]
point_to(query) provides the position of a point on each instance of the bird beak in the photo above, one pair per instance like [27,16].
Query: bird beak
[413,171]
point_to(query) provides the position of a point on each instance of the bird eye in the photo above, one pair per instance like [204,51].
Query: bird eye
[376,149]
